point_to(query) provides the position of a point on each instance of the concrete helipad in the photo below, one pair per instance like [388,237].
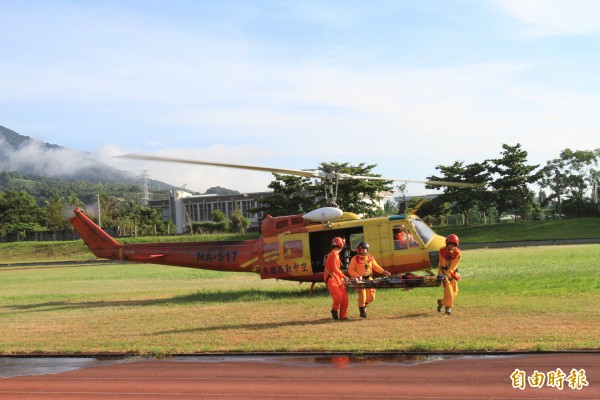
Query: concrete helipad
[399,376]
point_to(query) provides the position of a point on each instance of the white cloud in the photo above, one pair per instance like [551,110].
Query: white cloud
[406,121]
[556,17]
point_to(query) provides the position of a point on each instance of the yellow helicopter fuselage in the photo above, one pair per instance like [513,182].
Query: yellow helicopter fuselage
[290,248]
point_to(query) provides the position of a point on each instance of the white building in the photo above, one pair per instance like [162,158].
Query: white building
[185,209]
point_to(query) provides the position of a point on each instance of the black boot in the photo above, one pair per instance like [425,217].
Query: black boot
[440,305]
[363,312]
[334,314]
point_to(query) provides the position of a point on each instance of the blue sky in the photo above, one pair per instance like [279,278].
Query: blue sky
[406,85]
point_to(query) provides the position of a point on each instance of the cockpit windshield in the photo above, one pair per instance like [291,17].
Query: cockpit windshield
[421,228]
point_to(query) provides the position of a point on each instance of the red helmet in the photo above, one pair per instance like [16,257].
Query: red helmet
[338,242]
[452,239]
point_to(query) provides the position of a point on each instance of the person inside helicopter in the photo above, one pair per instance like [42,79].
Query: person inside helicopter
[402,238]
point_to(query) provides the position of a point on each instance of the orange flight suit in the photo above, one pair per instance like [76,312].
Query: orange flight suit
[400,240]
[334,279]
[364,265]
[449,260]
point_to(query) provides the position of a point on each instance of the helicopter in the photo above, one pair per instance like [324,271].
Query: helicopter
[291,247]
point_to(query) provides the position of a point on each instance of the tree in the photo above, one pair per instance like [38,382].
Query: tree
[568,177]
[436,208]
[291,195]
[513,176]
[19,214]
[552,178]
[298,195]
[109,210]
[55,211]
[151,220]
[131,216]
[74,201]
[220,220]
[390,207]
[595,182]
[238,222]
[360,196]
[461,199]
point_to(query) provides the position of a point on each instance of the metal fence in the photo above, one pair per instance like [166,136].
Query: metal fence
[489,217]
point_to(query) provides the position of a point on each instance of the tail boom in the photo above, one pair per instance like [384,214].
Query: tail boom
[218,256]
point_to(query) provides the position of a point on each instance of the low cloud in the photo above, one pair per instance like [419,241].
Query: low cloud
[35,157]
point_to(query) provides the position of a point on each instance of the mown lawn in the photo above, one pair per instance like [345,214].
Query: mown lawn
[572,228]
[535,298]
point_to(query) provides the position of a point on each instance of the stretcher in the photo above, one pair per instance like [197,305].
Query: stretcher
[395,281]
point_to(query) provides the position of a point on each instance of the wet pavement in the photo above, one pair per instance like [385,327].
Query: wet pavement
[572,375]
[25,366]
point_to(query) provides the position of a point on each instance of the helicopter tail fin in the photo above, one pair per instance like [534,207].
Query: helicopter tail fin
[99,242]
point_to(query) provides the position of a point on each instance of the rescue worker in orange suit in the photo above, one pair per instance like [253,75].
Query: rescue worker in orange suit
[448,273]
[362,266]
[335,280]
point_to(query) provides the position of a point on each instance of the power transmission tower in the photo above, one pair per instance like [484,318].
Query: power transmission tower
[145,194]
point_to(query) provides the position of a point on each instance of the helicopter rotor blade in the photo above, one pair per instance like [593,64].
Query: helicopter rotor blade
[305,173]
[452,184]
[432,183]
[308,173]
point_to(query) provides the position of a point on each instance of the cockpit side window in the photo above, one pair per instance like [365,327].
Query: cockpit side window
[403,237]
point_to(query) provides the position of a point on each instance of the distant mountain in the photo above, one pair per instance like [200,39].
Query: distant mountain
[15,140]
[32,157]
[221,191]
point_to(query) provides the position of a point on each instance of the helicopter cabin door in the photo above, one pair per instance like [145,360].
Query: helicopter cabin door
[385,249]
[320,246]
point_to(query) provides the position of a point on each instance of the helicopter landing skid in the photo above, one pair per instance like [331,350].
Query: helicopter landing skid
[406,281]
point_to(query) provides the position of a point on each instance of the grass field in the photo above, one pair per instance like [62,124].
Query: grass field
[535,298]
[572,228]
